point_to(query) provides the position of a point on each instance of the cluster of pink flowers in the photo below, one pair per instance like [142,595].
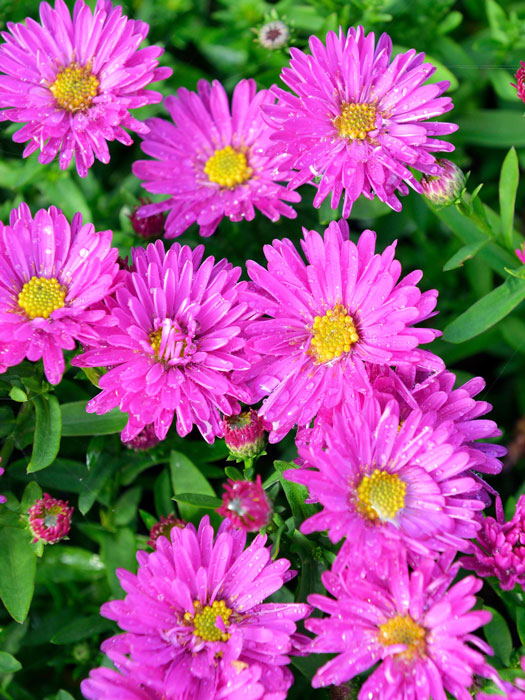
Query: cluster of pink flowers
[329,340]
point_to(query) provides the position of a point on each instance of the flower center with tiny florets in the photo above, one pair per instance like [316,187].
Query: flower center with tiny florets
[333,334]
[50,515]
[75,87]
[403,630]
[41,296]
[381,495]
[228,167]
[355,120]
[174,347]
[205,618]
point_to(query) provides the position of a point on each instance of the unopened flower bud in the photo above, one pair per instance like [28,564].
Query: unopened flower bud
[274,35]
[446,188]
[246,505]
[50,519]
[147,226]
[244,435]
[164,527]
[520,82]
[144,440]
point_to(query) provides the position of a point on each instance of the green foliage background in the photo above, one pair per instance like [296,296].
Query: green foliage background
[477,47]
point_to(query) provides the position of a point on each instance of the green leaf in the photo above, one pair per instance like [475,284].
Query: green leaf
[75,420]
[64,695]
[494,128]
[501,82]
[126,506]
[32,493]
[8,663]
[498,636]
[66,563]
[18,566]
[18,395]
[101,465]
[520,623]
[198,499]
[186,478]
[162,494]
[463,254]
[67,195]
[48,430]
[81,628]
[118,550]
[233,473]
[148,519]
[296,494]
[508,186]
[486,311]
[513,331]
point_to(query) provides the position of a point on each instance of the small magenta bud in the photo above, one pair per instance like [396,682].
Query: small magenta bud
[147,226]
[520,254]
[246,505]
[144,440]
[164,527]
[274,35]
[446,188]
[244,435]
[50,519]
[520,82]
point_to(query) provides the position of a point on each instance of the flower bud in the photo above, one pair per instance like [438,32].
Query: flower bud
[144,440]
[147,226]
[520,82]
[244,435]
[50,519]
[164,527]
[446,188]
[246,505]
[274,35]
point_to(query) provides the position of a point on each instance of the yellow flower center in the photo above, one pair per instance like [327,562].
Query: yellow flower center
[228,167]
[205,618]
[41,296]
[355,120]
[333,334]
[381,495]
[155,339]
[403,630]
[75,87]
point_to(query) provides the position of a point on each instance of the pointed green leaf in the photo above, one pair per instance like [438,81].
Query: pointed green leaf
[186,478]
[81,628]
[494,128]
[75,420]
[18,566]
[198,499]
[296,494]
[8,663]
[486,311]
[48,431]
[463,254]
[498,636]
[508,186]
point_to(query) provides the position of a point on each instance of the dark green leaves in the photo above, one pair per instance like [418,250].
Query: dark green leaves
[75,420]
[498,636]
[8,663]
[48,429]
[18,566]
[187,479]
[508,186]
[198,499]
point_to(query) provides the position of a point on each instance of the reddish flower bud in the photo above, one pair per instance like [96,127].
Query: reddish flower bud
[144,440]
[50,519]
[244,435]
[246,505]
[164,527]
[520,82]
[147,226]
[446,188]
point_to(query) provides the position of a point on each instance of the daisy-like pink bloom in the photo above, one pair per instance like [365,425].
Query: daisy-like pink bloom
[50,519]
[213,163]
[196,606]
[73,80]
[345,307]
[246,505]
[176,341]
[500,549]
[357,121]
[52,276]
[383,482]
[416,626]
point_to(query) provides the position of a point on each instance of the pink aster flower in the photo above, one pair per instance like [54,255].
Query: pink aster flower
[500,549]
[244,435]
[520,254]
[520,81]
[511,691]
[52,276]
[383,483]
[416,626]
[218,157]
[347,306]
[176,341]
[246,505]
[74,79]
[357,121]
[196,606]
[50,519]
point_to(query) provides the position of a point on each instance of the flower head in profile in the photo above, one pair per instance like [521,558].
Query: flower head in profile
[163,528]
[416,626]
[176,339]
[357,120]
[74,79]
[385,483]
[520,81]
[53,274]
[246,505]
[219,159]
[500,549]
[446,188]
[244,435]
[195,608]
[326,318]
[50,519]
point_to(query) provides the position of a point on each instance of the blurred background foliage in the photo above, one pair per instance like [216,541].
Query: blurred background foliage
[477,47]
